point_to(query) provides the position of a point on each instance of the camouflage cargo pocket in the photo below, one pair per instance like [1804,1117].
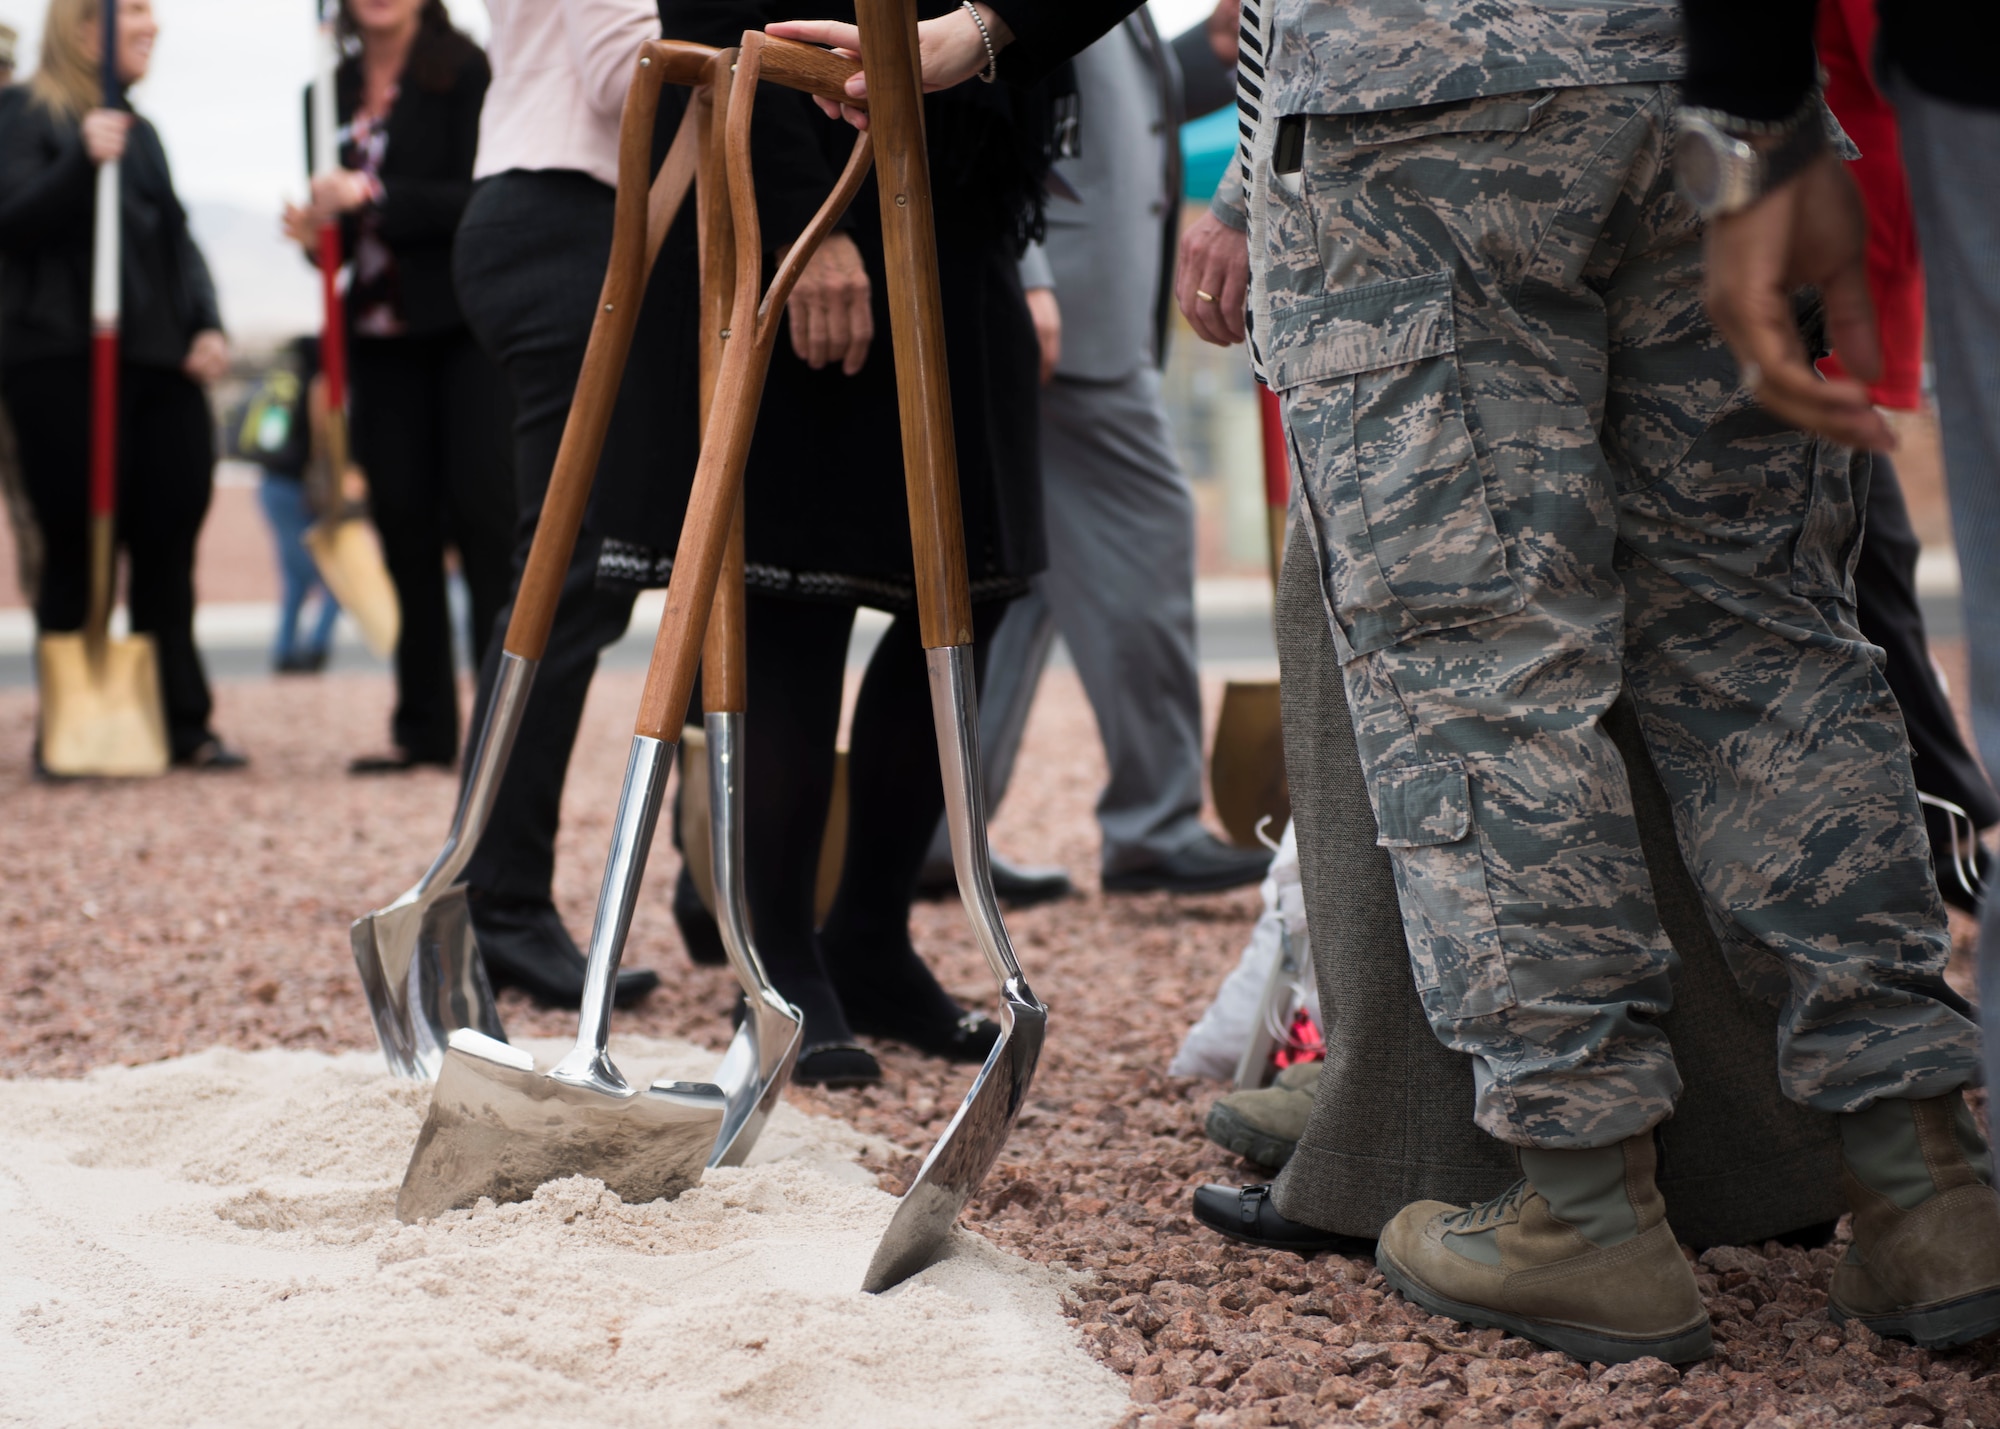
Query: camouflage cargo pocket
[1829,539]
[1395,486]
[1424,813]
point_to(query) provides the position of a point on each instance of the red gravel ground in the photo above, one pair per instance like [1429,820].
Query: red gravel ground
[146,920]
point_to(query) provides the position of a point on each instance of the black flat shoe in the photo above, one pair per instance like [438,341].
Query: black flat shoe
[213,756]
[1016,885]
[398,761]
[1246,1214]
[968,1038]
[837,1064]
[1208,865]
[699,932]
[525,945]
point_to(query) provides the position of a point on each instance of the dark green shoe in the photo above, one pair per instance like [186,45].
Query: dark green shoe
[1265,1125]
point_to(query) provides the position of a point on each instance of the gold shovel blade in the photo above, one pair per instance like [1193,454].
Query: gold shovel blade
[350,562]
[101,717]
[499,1127]
[967,1150]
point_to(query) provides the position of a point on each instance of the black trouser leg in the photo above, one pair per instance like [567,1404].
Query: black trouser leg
[164,490]
[398,442]
[895,799]
[481,503]
[50,404]
[1886,608]
[796,663]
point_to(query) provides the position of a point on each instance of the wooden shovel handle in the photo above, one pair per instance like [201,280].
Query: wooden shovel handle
[723,684]
[753,327]
[603,360]
[916,320]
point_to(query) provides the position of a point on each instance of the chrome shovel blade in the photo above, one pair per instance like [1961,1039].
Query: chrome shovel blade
[421,970]
[968,1148]
[759,1062]
[418,961]
[499,1127]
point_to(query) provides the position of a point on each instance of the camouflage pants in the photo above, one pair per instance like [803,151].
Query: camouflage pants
[1533,480]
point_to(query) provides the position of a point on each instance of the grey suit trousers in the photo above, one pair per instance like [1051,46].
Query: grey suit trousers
[1120,589]
[1392,1120]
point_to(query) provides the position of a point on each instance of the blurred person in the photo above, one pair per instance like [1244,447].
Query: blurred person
[9,37]
[827,532]
[1533,484]
[54,131]
[20,519]
[430,408]
[277,435]
[1119,510]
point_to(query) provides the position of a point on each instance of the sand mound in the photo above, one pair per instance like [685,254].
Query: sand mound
[210,1240]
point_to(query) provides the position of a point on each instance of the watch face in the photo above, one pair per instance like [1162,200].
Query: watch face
[1698,167]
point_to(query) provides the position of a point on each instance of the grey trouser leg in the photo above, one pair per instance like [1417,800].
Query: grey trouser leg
[1953,156]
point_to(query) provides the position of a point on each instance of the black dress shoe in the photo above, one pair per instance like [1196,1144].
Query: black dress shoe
[1014,885]
[700,934]
[396,761]
[1246,1214]
[213,756]
[524,944]
[1208,865]
[837,1064]
[967,1039]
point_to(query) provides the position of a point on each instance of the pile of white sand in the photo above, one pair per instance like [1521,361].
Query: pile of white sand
[211,1241]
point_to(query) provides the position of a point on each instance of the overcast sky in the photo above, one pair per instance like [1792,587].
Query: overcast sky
[225,85]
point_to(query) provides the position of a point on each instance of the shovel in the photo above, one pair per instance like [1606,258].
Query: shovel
[498,1126]
[346,553]
[418,961]
[759,1062]
[101,709]
[979,1129]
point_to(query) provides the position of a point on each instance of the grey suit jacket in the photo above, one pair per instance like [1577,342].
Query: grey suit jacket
[1110,250]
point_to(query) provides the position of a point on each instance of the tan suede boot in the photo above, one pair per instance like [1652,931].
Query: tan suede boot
[1578,1257]
[1925,1263]
[1265,1125]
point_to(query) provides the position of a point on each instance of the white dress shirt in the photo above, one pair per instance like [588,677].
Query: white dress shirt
[560,72]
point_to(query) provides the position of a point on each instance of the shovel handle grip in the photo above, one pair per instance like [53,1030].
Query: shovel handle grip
[723,684]
[333,322]
[603,364]
[753,327]
[916,321]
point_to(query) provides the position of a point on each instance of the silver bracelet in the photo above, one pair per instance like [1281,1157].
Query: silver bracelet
[992,70]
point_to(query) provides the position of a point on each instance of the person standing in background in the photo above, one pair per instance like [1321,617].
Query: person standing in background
[54,132]
[430,408]
[1119,510]
[20,520]
[276,434]
[8,38]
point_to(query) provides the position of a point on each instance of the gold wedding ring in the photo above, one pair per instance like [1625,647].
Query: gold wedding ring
[1205,297]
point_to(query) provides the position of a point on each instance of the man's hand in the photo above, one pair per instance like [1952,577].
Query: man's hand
[950,50]
[1042,307]
[207,359]
[1810,231]
[104,132]
[1214,279]
[829,310]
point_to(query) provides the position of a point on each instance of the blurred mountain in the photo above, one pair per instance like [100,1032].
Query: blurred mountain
[268,292]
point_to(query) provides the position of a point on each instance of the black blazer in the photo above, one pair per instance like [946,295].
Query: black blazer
[426,175]
[47,200]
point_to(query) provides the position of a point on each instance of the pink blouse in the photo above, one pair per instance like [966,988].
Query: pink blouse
[560,72]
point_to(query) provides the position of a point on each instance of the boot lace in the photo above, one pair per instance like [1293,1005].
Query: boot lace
[1491,1213]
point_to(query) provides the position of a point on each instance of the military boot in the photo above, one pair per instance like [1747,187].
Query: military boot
[1925,1263]
[1577,1256]
[1265,1125]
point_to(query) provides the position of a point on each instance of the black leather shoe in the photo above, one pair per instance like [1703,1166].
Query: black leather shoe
[968,1039]
[525,945]
[699,933]
[213,756]
[1208,865]
[1013,884]
[1246,1214]
[837,1064]
[396,761]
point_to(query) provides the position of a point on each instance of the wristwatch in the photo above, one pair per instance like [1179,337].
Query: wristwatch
[1723,164]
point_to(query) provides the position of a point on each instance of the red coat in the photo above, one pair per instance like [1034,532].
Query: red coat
[1895,273]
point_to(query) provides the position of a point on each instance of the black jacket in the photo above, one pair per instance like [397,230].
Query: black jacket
[47,202]
[426,173]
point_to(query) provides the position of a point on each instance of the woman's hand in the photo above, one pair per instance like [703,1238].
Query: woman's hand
[950,50]
[301,225]
[829,309]
[1213,279]
[208,357]
[104,132]
[1043,308]
[341,191]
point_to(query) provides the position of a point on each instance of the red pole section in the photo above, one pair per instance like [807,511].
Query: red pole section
[1277,463]
[333,333]
[103,422]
